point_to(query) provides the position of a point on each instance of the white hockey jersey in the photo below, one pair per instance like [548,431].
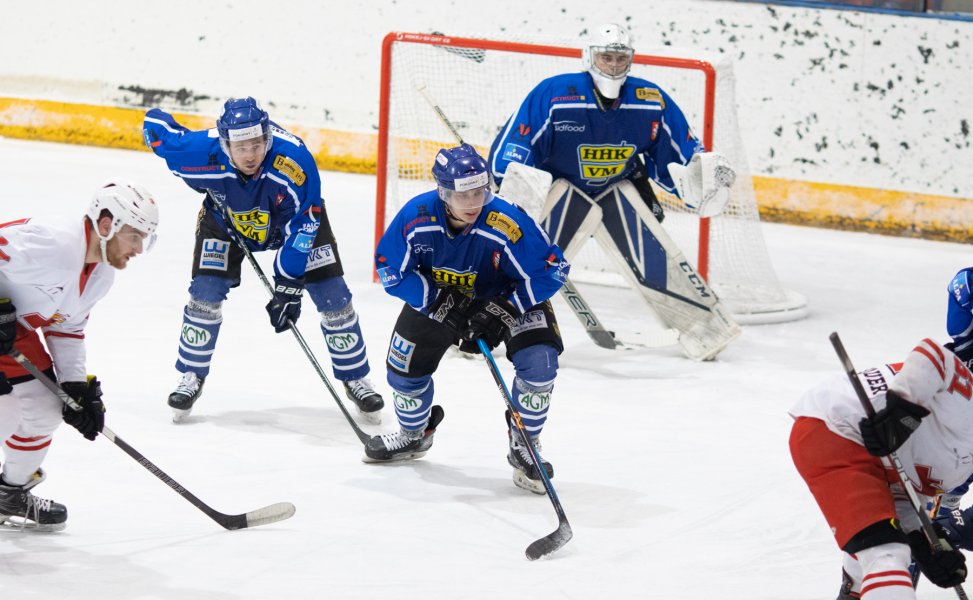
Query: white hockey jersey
[43,272]
[939,455]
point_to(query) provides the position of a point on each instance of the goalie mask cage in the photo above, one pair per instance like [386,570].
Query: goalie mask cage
[479,83]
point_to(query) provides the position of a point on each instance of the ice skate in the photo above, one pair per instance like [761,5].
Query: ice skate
[187,392]
[403,445]
[20,509]
[525,474]
[366,399]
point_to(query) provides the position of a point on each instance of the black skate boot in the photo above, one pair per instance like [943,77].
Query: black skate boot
[525,474]
[187,392]
[403,445]
[21,509]
[366,399]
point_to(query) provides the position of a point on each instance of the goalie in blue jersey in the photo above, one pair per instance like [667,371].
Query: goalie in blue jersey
[468,265]
[600,136]
[262,189]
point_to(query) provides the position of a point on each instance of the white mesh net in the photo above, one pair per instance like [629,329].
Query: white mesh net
[477,90]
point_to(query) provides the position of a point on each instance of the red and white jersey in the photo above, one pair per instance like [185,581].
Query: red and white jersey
[939,455]
[43,272]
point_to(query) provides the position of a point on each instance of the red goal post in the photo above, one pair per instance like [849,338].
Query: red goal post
[479,82]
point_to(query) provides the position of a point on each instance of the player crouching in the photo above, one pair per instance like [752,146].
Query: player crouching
[468,265]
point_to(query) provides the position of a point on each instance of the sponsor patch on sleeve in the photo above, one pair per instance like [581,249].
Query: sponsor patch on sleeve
[290,169]
[215,254]
[388,276]
[650,95]
[516,153]
[303,242]
[504,225]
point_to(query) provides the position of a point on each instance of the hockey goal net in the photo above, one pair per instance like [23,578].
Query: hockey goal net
[479,82]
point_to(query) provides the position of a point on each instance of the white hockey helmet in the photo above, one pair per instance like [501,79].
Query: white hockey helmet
[607,55]
[129,204]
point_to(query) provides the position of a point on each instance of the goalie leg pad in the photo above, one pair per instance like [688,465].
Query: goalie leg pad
[412,397]
[647,257]
[569,217]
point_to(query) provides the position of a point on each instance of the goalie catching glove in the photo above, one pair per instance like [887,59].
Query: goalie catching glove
[704,184]
[89,419]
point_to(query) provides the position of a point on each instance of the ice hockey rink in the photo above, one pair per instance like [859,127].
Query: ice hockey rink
[674,475]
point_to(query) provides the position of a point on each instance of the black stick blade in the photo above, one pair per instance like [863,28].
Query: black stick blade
[262,516]
[550,543]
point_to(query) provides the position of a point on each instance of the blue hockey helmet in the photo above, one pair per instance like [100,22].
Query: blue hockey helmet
[242,120]
[462,177]
[959,316]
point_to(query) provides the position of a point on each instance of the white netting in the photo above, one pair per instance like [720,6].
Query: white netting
[478,90]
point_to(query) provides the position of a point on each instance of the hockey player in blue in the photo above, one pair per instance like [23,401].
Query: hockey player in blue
[262,188]
[468,265]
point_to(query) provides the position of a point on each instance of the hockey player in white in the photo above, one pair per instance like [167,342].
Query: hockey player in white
[51,275]
[926,417]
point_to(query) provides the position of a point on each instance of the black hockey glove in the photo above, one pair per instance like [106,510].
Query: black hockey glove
[450,308]
[285,307]
[90,420]
[958,526]
[946,568]
[891,426]
[492,321]
[640,179]
[8,325]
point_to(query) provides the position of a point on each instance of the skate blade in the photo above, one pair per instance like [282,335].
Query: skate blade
[524,482]
[178,416]
[398,458]
[21,524]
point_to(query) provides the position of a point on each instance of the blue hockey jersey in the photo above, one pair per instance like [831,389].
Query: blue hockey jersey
[504,253]
[560,128]
[278,208]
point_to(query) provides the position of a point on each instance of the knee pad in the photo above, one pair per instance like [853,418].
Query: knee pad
[409,386]
[329,295]
[886,565]
[210,289]
[536,367]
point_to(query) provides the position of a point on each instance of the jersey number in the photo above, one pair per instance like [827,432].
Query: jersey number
[962,383]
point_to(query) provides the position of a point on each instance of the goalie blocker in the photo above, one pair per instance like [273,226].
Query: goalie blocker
[644,254]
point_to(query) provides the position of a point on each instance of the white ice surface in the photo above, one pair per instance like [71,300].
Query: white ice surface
[675,475]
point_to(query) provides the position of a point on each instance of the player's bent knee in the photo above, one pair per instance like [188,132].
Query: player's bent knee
[210,288]
[874,535]
[329,295]
[409,386]
[536,365]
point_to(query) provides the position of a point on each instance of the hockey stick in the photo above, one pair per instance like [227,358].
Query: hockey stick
[581,309]
[254,518]
[362,436]
[555,540]
[937,544]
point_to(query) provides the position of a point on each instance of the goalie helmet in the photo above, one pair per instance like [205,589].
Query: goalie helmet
[462,176]
[607,55]
[128,204]
[243,119]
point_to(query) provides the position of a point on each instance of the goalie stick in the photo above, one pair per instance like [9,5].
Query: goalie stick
[581,309]
[262,516]
[553,541]
[935,542]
